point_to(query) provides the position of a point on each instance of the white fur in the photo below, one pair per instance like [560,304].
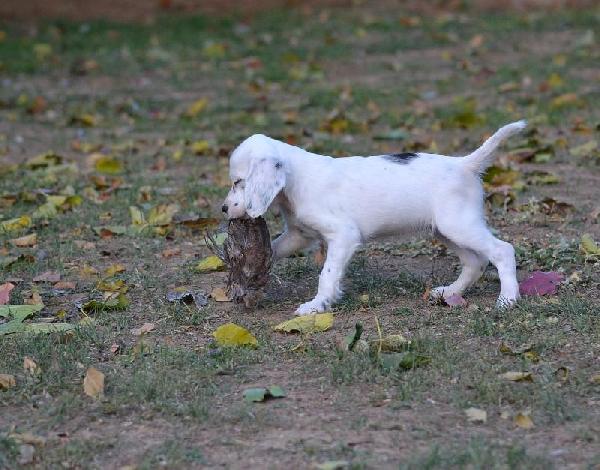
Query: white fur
[348,201]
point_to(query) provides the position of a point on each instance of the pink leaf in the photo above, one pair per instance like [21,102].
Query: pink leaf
[455,300]
[541,283]
[5,292]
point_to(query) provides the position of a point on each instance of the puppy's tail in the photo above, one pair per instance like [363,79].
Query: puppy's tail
[483,157]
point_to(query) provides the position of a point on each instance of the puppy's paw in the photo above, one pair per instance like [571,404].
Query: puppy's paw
[314,306]
[506,303]
[442,292]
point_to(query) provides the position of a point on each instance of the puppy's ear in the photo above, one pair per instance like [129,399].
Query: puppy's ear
[266,179]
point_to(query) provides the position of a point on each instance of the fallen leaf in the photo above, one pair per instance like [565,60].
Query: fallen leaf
[219,294]
[118,302]
[144,329]
[595,379]
[16,224]
[108,164]
[26,454]
[584,150]
[407,360]
[170,252]
[541,283]
[455,300]
[137,216]
[259,394]
[389,343]
[588,246]
[7,381]
[16,315]
[231,334]
[48,276]
[44,160]
[209,264]
[476,415]
[5,292]
[196,108]
[162,214]
[25,241]
[517,376]
[64,285]
[523,421]
[114,269]
[567,99]
[29,365]
[93,383]
[28,438]
[306,323]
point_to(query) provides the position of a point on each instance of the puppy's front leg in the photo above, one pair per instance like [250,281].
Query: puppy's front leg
[339,251]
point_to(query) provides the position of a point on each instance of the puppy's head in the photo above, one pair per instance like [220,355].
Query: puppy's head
[257,175]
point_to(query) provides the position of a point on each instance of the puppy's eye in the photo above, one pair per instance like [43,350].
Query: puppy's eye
[236,182]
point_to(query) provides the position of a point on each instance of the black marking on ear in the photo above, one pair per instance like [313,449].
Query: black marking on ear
[402,158]
[278,165]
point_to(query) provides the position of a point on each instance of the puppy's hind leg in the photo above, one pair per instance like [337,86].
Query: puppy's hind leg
[288,243]
[475,236]
[473,266]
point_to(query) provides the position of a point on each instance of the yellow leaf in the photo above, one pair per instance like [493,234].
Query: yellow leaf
[14,225]
[214,50]
[137,216]
[42,51]
[476,415]
[93,383]
[568,99]
[29,365]
[589,246]
[196,107]
[25,240]
[114,269]
[162,214]
[44,160]
[200,147]
[523,421]
[210,263]
[219,294]
[106,164]
[595,379]
[307,323]
[7,381]
[231,334]
[389,343]
[517,376]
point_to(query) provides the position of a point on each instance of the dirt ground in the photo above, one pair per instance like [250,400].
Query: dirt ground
[146,115]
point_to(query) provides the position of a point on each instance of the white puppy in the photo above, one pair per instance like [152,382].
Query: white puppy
[348,201]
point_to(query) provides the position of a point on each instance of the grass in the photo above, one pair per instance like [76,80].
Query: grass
[172,397]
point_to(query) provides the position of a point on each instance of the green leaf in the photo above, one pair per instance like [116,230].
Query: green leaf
[259,394]
[16,315]
[406,361]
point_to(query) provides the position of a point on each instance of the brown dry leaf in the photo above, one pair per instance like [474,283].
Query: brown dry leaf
[93,383]
[169,252]
[7,381]
[48,276]
[517,376]
[35,299]
[523,420]
[65,285]
[5,292]
[29,365]
[144,329]
[219,294]
[115,348]
[25,241]
[85,245]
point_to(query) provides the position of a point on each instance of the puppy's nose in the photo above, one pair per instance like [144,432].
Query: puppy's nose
[225,208]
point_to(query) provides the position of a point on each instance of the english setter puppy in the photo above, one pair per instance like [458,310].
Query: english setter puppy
[348,201]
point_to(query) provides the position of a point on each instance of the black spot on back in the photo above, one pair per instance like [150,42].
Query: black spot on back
[402,158]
